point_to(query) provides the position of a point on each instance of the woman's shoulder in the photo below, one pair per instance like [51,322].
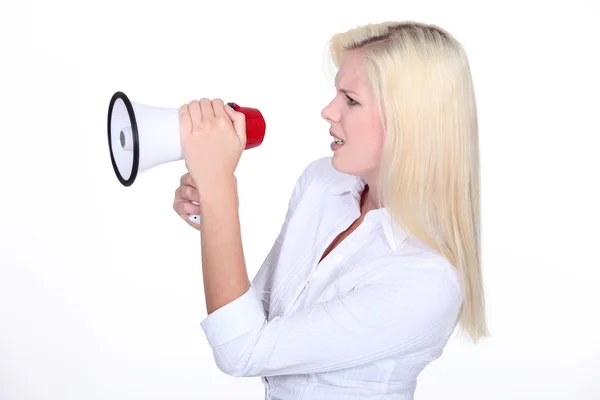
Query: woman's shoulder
[321,172]
[318,168]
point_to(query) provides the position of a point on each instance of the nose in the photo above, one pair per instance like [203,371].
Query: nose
[329,114]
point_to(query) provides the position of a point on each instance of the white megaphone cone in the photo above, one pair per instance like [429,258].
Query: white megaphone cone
[141,136]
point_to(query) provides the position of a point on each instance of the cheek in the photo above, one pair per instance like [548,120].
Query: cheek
[377,133]
[376,144]
[367,133]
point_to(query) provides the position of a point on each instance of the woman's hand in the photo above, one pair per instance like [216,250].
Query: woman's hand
[213,137]
[185,195]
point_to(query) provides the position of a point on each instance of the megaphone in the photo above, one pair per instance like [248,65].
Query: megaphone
[141,136]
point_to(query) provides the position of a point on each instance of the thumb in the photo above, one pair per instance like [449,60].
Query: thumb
[239,122]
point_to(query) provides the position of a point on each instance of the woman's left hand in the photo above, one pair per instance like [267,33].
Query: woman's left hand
[213,138]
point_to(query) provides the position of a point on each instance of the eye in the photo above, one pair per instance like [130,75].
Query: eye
[351,101]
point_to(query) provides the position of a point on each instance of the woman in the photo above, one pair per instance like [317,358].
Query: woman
[378,258]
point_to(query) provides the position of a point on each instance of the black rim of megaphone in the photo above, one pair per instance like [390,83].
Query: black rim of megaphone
[134,131]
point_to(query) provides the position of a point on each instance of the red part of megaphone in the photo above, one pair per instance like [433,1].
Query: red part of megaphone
[255,125]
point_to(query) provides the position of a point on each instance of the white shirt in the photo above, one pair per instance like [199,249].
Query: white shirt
[362,324]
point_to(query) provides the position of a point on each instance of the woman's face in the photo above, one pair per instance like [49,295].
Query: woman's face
[354,118]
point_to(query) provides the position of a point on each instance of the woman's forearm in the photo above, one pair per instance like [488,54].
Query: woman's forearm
[223,265]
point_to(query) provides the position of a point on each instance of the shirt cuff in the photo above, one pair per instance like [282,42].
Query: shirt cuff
[234,319]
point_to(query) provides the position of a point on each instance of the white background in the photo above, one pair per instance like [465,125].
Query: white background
[101,290]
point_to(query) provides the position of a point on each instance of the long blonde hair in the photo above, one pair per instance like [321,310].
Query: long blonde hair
[429,173]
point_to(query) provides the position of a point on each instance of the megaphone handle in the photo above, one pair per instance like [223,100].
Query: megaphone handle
[194,217]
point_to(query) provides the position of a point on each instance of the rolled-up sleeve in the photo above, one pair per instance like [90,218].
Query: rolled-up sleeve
[235,319]
[411,311]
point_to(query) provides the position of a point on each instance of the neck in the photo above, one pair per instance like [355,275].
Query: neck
[368,201]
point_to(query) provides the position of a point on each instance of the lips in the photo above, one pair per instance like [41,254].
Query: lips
[337,137]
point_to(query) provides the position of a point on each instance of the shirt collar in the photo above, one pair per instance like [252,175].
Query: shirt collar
[347,183]
[354,185]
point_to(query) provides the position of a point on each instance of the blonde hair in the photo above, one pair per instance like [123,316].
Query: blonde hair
[429,173]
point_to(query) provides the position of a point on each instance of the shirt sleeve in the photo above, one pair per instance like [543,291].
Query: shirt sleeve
[413,310]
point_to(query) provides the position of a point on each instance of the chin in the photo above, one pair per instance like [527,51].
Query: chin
[348,165]
[335,162]
[342,165]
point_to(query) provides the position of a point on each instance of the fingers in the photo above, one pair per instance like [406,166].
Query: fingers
[189,193]
[204,109]
[239,123]
[195,113]
[188,209]
[185,124]
[217,105]
[207,109]
[186,193]
[185,208]
[186,180]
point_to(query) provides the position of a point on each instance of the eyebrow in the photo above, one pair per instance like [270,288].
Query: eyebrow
[343,90]
[346,91]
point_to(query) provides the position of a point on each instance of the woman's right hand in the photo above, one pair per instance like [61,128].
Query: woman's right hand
[184,195]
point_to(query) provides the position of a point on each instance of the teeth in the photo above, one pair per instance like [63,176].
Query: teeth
[338,141]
